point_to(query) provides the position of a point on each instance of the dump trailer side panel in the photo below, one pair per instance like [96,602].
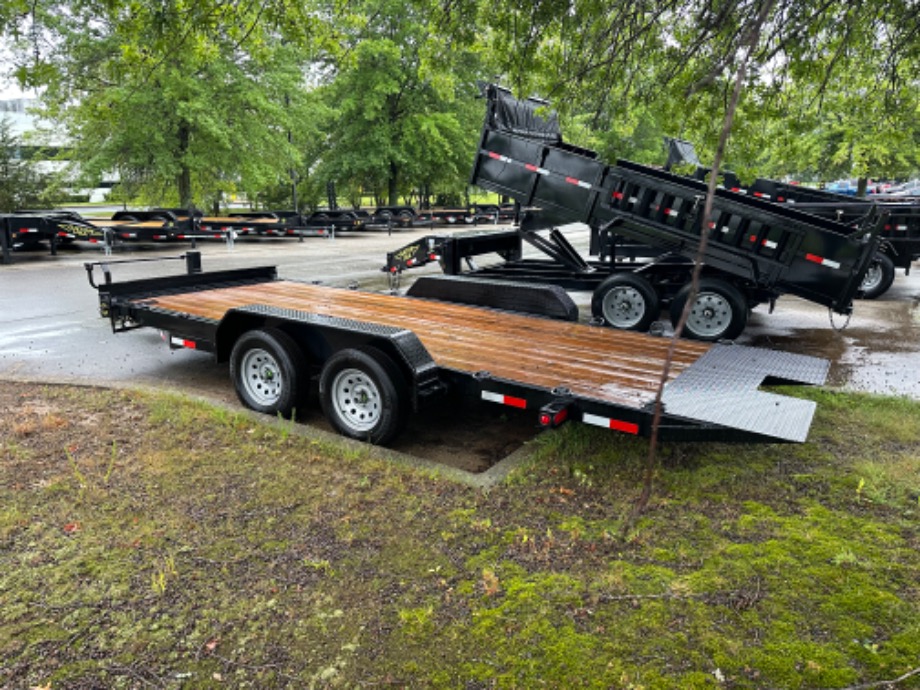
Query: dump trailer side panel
[770,246]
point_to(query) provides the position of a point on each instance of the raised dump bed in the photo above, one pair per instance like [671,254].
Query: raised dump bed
[755,252]
[379,357]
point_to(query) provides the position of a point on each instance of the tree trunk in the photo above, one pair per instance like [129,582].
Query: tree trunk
[862,184]
[184,178]
[393,185]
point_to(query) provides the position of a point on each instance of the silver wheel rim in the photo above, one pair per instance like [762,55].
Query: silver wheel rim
[710,315]
[873,277]
[623,307]
[262,377]
[356,399]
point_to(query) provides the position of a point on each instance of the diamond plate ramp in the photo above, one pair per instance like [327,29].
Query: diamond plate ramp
[721,388]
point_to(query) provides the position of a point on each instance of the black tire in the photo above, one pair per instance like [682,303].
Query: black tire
[405,219]
[627,301]
[364,395]
[878,278]
[720,311]
[269,371]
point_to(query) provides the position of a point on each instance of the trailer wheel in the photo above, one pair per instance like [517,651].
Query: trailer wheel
[269,371]
[878,278]
[719,312]
[364,395]
[627,301]
[405,219]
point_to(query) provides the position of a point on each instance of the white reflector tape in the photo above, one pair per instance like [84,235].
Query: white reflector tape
[607,423]
[579,183]
[671,212]
[762,195]
[504,399]
[534,168]
[900,227]
[179,342]
[499,157]
[769,244]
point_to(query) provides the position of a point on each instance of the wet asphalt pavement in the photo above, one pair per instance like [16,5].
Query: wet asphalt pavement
[50,329]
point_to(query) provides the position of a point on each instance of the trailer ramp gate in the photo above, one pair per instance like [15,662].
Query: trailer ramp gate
[722,388]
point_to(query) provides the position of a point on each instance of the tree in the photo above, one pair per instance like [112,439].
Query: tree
[188,98]
[402,117]
[20,184]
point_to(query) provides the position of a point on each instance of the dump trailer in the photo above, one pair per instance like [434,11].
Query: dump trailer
[756,250]
[899,233]
[380,358]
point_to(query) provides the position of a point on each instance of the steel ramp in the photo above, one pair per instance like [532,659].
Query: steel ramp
[722,388]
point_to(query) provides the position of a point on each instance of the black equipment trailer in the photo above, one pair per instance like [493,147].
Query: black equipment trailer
[63,227]
[899,233]
[380,357]
[756,250]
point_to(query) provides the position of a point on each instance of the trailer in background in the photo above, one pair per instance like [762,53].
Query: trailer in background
[899,233]
[755,250]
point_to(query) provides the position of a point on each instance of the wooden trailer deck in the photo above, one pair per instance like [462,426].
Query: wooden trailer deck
[617,367]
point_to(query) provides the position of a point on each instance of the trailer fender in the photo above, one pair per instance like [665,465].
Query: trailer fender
[320,337]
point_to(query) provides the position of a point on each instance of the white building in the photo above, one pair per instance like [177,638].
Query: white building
[38,137]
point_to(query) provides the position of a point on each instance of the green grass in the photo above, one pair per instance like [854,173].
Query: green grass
[149,540]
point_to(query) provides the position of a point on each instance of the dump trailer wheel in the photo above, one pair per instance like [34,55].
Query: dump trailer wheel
[269,371]
[364,395]
[719,312]
[627,301]
[405,219]
[878,278]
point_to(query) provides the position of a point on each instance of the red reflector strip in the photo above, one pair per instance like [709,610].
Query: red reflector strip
[499,157]
[618,196]
[763,196]
[671,212]
[607,423]
[509,400]
[821,260]
[93,240]
[578,183]
[179,342]
[534,168]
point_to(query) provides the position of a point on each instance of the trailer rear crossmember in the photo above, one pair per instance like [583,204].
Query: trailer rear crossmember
[379,357]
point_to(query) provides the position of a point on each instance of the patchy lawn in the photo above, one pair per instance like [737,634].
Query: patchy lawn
[150,541]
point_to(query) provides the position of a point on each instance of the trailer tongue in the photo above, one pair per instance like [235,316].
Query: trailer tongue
[380,357]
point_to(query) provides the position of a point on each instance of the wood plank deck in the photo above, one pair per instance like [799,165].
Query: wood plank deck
[617,367]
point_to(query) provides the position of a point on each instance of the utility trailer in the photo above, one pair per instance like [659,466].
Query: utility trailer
[262,224]
[380,358]
[756,250]
[899,234]
[63,227]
